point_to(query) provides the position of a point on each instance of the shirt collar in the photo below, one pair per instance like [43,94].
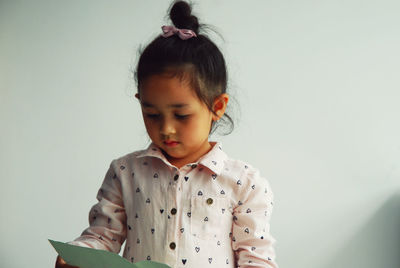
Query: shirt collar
[213,160]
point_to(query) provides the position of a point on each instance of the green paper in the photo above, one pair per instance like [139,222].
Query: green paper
[84,257]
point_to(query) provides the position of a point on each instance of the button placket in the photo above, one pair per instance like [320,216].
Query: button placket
[173,221]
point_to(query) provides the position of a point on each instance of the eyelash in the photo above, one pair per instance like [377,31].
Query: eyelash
[181,117]
[178,116]
[153,116]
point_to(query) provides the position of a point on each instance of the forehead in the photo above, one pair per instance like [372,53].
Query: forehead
[166,91]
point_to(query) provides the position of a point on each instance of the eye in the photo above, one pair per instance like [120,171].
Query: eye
[182,116]
[152,116]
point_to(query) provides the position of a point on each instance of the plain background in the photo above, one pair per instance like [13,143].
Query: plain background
[318,105]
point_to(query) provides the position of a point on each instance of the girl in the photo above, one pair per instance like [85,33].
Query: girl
[182,201]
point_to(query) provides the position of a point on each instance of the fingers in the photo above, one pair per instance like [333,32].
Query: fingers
[60,263]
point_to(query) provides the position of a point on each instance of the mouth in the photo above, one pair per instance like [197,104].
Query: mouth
[170,143]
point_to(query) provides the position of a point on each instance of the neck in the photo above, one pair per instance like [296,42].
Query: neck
[180,162]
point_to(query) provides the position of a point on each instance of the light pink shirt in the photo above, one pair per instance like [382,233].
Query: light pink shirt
[212,213]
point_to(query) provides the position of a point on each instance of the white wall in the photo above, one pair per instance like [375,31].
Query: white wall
[318,87]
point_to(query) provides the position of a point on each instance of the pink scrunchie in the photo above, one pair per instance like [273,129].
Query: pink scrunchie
[182,33]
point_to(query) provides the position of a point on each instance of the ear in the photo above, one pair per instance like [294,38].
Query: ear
[219,106]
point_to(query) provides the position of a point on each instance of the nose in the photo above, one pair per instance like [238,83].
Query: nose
[167,127]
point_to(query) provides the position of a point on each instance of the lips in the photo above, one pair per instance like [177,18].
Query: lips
[171,143]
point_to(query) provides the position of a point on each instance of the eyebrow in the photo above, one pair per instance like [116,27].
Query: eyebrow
[176,105]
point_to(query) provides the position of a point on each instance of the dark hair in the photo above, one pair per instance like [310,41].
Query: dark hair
[196,59]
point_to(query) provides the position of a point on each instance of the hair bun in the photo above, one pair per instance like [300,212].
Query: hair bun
[181,17]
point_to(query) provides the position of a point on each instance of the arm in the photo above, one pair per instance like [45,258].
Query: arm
[107,218]
[251,240]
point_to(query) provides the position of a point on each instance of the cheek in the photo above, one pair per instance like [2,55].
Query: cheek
[150,126]
[199,127]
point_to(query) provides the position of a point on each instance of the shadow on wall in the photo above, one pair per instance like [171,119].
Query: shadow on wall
[377,244]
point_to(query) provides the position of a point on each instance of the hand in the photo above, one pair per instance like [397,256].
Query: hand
[60,263]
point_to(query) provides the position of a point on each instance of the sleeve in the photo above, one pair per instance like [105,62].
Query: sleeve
[251,238]
[107,218]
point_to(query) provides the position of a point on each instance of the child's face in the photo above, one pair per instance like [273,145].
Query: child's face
[175,119]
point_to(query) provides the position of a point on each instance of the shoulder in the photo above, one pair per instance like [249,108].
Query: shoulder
[125,160]
[243,173]
[250,186]
[239,168]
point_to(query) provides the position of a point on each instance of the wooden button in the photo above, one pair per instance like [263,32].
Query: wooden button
[176,177]
[209,201]
[172,245]
[173,211]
